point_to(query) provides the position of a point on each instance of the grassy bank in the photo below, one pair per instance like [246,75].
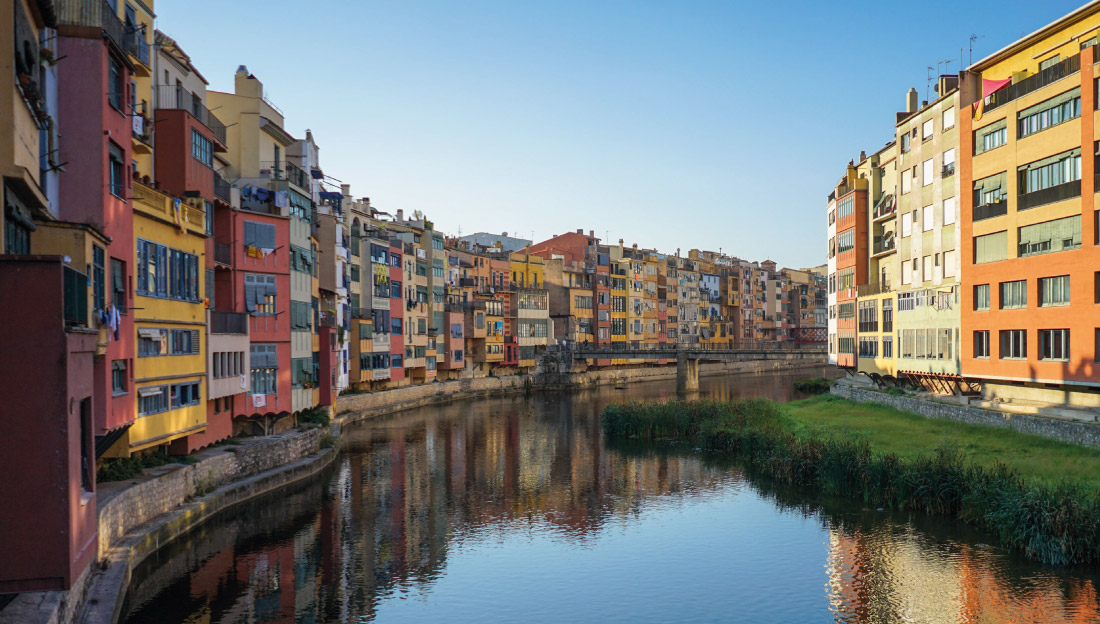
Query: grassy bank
[1037,495]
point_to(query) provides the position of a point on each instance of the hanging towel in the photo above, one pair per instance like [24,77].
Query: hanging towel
[258,400]
[244,382]
[115,320]
[178,211]
[281,199]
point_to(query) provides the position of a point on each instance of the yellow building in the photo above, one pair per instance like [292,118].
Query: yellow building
[137,18]
[531,306]
[170,320]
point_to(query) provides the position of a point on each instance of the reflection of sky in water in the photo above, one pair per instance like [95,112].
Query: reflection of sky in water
[506,510]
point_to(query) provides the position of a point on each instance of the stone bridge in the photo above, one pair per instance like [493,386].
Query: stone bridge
[687,360]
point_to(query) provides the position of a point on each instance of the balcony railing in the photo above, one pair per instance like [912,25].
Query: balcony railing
[883,245]
[1049,75]
[988,211]
[94,14]
[142,129]
[221,188]
[223,253]
[285,170]
[228,323]
[948,170]
[76,297]
[1049,195]
[134,42]
[886,206]
[175,97]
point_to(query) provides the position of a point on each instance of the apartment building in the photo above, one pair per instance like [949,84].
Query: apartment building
[1028,146]
[850,248]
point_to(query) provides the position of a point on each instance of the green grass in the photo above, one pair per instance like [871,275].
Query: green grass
[1037,459]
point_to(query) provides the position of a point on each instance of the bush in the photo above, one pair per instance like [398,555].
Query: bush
[817,385]
[328,441]
[122,468]
[314,416]
[1054,525]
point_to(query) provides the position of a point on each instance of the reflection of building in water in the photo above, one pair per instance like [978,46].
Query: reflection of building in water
[892,575]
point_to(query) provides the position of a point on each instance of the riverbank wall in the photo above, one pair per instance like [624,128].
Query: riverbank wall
[1071,432]
[139,516]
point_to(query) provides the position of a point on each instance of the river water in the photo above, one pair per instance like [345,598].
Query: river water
[516,510]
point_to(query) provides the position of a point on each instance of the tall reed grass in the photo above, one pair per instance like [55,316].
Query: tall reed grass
[1054,525]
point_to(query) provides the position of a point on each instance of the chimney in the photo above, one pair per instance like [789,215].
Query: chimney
[345,190]
[580,231]
[246,84]
[862,155]
[504,234]
[400,216]
[591,233]
[911,101]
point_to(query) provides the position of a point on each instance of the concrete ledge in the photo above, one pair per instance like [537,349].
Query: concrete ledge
[1072,432]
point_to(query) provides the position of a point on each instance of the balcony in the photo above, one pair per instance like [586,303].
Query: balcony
[175,97]
[285,171]
[152,202]
[1049,195]
[886,207]
[948,170]
[228,323]
[134,42]
[883,244]
[223,254]
[988,211]
[221,188]
[91,14]
[1049,75]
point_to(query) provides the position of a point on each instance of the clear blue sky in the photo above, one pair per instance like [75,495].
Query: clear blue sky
[673,124]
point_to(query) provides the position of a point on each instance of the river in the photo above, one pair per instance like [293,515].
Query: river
[514,509]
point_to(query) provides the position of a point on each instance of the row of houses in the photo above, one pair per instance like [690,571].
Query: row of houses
[962,255]
[180,269]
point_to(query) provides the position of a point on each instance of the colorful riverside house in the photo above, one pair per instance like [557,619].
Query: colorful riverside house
[529,301]
[187,142]
[1030,254]
[830,269]
[332,316]
[94,120]
[55,275]
[259,248]
[687,284]
[875,307]
[585,263]
[303,186]
[851,259]
[926,295]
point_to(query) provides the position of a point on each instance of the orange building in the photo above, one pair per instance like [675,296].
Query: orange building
[851,260]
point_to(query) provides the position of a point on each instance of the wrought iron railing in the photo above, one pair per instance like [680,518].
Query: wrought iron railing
[228,323]
[93,13]
[223,253]
[134,42]
[175,97]
[221,188]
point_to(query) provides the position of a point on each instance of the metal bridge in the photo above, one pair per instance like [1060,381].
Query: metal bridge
[687,359]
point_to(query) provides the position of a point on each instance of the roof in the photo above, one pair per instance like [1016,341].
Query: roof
[1026,40]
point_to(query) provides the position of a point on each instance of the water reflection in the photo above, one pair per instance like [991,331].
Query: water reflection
[505,509]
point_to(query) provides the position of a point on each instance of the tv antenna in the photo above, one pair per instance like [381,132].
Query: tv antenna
[973,38]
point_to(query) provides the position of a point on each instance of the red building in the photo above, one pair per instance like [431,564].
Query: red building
[94,119]
[50,534]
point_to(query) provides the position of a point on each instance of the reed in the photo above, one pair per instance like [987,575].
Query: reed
[817,385]
[1057,524]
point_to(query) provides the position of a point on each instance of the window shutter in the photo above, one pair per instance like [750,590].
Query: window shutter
[249,233]
[194,342]
[250,296]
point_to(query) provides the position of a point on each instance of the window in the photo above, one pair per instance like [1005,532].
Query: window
[119,379]
[1050,62]
[395,326]
[166,272]
[397,361]
[929,218]
[152,341]
[184,342]
[981,297]
[926,130]
[202,149]
[887,315]
[116,170]
[949,118]
[845,207]
[905,147]
[1054,291]
[847,344]
[927,172]
[1050,236]
[186,394]
[949,163]
[846,241]
[906,224]
[264,364]
[1050,172]
[208,217]
[868,316]
[981,344]
[259,235]
[99,276]
[1013,294]
[991,247]
[116,91]
[926,273]
[990,137]
[888,347]
[846,279]
[259,294]
[1054,344]
[582,302]
[300,316]
[1013,344]
[906,302]
[847,311]
[152,400]
[301,372]
[949,211]
[1049,113]
[1088,43]
[868,347]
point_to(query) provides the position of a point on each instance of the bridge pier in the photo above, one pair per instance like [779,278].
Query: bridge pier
[687,374]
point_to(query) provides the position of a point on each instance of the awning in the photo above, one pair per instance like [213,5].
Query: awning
[150,391]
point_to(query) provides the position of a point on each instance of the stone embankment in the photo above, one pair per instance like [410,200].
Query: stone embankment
[1080,433]
[139,516]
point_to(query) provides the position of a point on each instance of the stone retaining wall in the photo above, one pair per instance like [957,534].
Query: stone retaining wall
[175,484]
[1082,434]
